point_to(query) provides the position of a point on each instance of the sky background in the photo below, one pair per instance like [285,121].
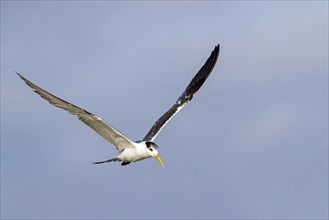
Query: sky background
[253,142]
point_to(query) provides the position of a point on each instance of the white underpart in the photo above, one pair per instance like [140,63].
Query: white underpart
[136,153]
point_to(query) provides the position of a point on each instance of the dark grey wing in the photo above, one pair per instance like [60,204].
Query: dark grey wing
[186,96]
[96,123]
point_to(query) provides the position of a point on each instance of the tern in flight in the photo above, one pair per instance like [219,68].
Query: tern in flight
[131,151]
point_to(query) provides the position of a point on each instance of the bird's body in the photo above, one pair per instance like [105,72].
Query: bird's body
[131,151]
[135,153]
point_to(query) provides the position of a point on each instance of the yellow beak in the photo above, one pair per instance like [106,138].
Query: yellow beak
[159,159]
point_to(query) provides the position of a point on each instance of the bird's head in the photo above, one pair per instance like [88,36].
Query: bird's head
[152,149]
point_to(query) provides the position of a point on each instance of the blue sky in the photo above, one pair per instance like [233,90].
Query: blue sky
[253,143]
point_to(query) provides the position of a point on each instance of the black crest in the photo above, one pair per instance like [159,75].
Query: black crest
[150,144]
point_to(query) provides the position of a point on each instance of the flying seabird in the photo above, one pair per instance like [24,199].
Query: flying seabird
[131,151]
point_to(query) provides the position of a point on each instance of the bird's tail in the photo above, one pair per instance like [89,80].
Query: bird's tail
[107,161]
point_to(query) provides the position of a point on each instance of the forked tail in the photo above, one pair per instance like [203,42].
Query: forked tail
[107,161]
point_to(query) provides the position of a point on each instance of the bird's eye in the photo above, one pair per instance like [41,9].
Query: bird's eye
[151,149]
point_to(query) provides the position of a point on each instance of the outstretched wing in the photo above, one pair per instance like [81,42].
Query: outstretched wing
[111,134]
[186,96]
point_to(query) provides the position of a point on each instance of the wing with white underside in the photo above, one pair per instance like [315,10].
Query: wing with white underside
[111,134]
[186,96]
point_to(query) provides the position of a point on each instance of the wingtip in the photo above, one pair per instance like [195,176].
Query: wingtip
[24,79]
[17,73]
[217,47]
[20,76]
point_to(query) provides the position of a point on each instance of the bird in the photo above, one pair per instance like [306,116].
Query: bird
[131,151]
